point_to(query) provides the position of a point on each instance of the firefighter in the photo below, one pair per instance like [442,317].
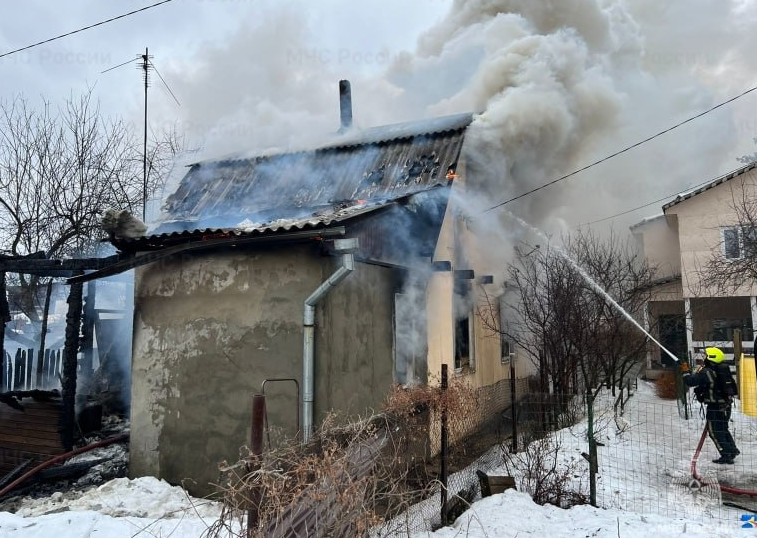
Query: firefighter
[715,387]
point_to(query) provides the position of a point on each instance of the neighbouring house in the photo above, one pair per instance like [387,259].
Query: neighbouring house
[322,278]
[684,314]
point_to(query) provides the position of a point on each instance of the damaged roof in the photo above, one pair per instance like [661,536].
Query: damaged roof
[357,173]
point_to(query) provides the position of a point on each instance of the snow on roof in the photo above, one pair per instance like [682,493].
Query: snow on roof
[647,220]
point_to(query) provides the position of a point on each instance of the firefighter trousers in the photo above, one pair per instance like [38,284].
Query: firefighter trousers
[718,415]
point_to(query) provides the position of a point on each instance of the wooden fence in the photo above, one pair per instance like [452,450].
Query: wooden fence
[21,370]
[30,436]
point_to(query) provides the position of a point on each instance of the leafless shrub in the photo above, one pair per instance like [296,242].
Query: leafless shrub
[541,473]
[665,386]
[349,478]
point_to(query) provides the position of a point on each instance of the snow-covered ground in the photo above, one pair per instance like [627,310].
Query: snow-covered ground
[643,468]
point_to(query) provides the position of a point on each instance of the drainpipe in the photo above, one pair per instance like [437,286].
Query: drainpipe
[345,247]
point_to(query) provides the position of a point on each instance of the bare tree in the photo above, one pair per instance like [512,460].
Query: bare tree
[573,310]
[59,169]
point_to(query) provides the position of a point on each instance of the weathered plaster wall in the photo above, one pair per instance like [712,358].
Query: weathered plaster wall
[210,328]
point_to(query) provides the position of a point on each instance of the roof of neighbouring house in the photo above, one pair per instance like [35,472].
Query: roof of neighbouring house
[710,184]
[647,220]
[349,175]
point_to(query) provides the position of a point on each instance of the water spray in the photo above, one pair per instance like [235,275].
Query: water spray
[592,283]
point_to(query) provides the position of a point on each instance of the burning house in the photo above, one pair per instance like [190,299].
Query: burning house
[321,277]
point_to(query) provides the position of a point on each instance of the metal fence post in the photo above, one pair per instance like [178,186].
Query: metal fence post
[256,447]
[444,441]
[513,410]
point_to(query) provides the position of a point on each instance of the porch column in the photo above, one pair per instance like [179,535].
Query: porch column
[753,304]
[646,328]
[689,328]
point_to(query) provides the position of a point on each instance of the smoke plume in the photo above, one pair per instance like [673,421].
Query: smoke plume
[559,84]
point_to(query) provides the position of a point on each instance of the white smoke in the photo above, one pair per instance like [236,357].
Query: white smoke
[560,84]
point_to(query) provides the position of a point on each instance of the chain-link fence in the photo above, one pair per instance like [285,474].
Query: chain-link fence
[436,449]
[650,456]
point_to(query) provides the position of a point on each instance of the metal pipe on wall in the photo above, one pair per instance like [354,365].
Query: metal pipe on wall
[346,247]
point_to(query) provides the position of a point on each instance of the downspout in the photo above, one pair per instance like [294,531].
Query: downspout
[346,247]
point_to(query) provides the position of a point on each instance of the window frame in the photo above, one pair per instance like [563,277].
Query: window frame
[729,234]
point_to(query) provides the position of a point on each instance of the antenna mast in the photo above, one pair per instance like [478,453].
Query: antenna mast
[145,66]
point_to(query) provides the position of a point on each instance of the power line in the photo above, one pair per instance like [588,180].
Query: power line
[668,197]
[637,144]
[85,28]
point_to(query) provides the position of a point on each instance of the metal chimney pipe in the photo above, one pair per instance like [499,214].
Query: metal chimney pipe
[345,105]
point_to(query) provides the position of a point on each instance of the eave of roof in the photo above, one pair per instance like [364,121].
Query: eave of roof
[714,183]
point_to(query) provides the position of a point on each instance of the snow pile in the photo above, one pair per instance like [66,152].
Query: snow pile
[145,497]
[515,514]
[141,507]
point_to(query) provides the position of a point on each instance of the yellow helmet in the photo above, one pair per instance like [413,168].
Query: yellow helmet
[715,355]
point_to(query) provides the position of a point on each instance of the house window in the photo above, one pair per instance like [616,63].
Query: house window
[739,242]
[462,344]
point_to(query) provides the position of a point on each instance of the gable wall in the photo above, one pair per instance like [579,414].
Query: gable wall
[465,244]
[700,220]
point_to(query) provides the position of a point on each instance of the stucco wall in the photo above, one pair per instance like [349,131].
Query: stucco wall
[208,330]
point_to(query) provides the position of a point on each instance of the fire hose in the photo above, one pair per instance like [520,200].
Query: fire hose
[695,474]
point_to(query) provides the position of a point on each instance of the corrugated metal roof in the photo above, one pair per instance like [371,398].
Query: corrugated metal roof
[171,232]
[316,187]
[714,183]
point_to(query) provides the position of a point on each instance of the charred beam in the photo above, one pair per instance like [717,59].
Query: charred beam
[70,352]
[51,267]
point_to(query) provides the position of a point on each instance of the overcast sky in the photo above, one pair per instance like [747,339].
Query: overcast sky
[564,83]
[345,37]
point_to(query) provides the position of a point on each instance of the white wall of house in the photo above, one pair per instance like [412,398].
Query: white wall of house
[658,239]
[701,220]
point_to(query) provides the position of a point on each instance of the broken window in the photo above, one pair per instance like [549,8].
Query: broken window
[462,344]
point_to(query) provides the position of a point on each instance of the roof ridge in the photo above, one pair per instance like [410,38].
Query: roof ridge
[380,134]
[710,184]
